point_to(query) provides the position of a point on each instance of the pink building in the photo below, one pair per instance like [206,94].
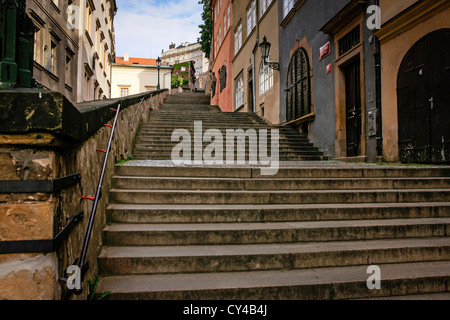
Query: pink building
[222,55]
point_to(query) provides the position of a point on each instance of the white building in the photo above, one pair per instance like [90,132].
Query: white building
[186,52]
[136,75]
[74,46]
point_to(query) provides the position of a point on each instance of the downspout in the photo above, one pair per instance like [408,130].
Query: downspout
[255,48]
[379,118]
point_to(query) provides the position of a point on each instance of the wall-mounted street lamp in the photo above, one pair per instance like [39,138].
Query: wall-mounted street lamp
[265,52]
[158,63]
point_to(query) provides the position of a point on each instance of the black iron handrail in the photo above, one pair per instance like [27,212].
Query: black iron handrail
[82,264]
[137,110]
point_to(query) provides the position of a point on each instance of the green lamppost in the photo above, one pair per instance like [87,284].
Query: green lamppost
[16,49]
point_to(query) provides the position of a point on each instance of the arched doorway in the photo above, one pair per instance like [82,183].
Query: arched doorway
[298,92]
[423,93]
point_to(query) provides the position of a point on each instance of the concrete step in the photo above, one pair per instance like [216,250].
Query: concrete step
[282,232]
[177,115]
[283,151]
[186,106]
[257,257]
[277,197]
[310,284]
[282,147]
[173,183]
[160,115]
[168,157]
[167,139]
[207,120]
[310,171]
[416,297]
[183,213]
[189,125]
[167,133]
[223,127]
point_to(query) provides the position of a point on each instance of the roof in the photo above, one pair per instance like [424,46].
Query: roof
[139,61]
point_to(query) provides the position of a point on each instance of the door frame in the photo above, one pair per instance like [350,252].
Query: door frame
[340,90]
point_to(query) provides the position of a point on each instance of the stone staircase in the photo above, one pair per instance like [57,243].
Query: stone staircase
[309,232]
[180,111]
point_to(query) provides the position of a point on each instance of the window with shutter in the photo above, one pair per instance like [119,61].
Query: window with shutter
[298,92]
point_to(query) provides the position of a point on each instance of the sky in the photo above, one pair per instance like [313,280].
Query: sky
[143,28]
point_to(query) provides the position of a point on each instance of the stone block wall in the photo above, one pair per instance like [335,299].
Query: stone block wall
[30,151]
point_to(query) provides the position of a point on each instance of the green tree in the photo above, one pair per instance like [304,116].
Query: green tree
[206,28]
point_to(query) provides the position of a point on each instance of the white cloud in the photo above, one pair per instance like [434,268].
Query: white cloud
[145,28]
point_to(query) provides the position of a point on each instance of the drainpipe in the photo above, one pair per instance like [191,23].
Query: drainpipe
[255,48]
[253,81]
[377,56]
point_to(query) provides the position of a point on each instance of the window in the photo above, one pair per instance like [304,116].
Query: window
[265,78]
[238,38]
[68,69]
[88,25]
[287,7]
[251,17]
[229,15]
[37,45]
[216,12]
[223,78]
[87,86]
[298,92]
[264,5]
[349,41]
[225,21]
[53,58]
[123,92]
[97,42]
[46,58]
[239,93]
[55,2]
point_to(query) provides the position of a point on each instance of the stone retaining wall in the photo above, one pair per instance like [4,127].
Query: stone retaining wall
[44,137]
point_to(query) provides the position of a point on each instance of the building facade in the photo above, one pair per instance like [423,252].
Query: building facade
[415,73]
[186,52]
[74,46]
[328,76]
[255,84]
[222,55]
[136,75]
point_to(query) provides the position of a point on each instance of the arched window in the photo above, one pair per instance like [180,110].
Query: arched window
[265,78]
[239,92]
[298,92]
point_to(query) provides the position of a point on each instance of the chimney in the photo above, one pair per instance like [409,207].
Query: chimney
[172,46]
[126,56]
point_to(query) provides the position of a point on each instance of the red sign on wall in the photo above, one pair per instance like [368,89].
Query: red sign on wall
[325,50]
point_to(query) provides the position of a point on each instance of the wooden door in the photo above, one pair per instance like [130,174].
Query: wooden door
[353,108]
[423,93]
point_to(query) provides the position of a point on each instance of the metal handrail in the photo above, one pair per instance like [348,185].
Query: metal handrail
[137,110]
[82,261]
